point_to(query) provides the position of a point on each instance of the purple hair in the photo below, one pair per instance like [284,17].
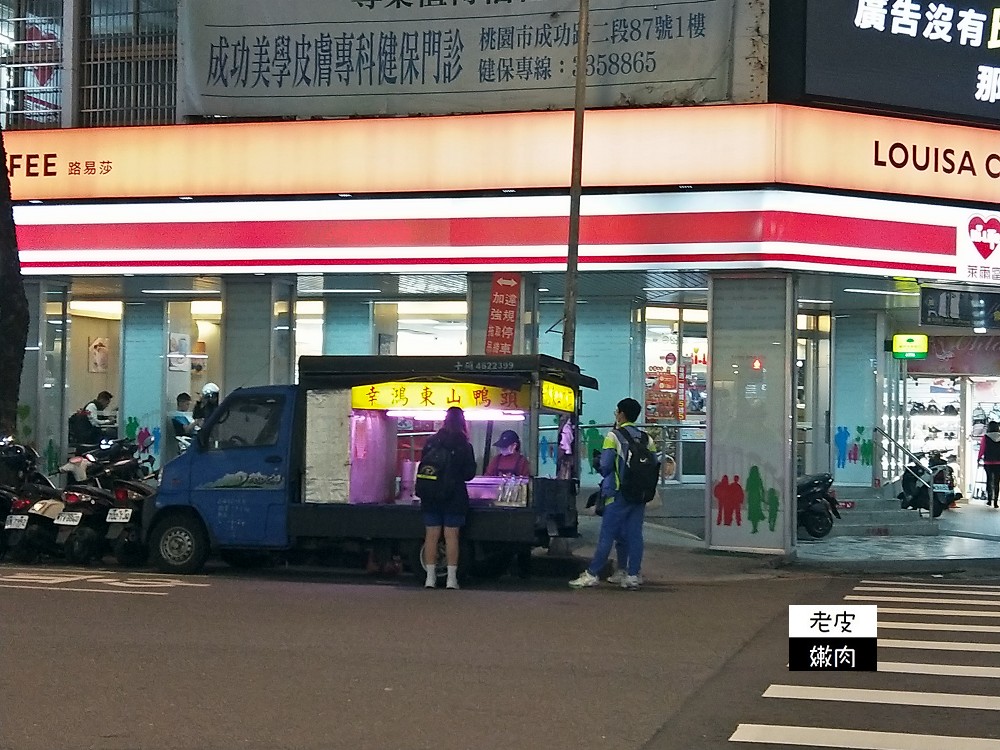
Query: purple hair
[454,421]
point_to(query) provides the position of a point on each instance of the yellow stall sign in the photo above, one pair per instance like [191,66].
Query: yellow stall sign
[438,396]
[909,346]
[559,397]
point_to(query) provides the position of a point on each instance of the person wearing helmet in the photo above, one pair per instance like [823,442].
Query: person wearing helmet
[207,403]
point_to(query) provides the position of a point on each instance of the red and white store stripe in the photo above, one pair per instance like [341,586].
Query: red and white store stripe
[661,231]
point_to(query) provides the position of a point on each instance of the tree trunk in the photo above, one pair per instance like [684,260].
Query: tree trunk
[13,307]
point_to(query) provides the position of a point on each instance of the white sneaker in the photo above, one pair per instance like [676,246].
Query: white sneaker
[617,577]
[631,583]
[452,584]
[585,580]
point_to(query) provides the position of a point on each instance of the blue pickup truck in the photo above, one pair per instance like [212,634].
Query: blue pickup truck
[327,465]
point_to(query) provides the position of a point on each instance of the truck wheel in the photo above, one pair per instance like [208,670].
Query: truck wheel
[179,544]
[494,562]
[417,562]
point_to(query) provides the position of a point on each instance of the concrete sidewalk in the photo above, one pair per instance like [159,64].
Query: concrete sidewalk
[968,543]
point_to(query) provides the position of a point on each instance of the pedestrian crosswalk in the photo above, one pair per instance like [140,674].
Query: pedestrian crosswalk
[937,685]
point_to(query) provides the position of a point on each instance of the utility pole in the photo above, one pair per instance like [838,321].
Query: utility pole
[576,186]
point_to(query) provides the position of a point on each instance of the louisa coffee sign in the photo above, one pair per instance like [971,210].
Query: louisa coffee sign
[936,159]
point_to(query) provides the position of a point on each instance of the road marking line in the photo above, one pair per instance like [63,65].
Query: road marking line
[918,590]
[937,612]
[940,645]
[948,626]
[855,739]
[944,670]
[935,585]
[108,571]
[888,697]
[919,600]
[94,591]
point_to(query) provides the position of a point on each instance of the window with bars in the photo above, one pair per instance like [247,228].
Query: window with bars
[128,62]
[31,57]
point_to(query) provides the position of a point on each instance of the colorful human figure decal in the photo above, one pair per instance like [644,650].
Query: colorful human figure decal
[729,496]
[755,498]
[721,494]
[594,442]
[772,508]
[854,449]
[840,441]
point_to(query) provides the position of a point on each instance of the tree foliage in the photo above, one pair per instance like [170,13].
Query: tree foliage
[13,308]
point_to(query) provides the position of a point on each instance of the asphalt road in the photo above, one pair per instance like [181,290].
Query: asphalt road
[281,660]
[119,661]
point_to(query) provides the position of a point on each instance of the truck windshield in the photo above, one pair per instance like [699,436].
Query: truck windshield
[247,421]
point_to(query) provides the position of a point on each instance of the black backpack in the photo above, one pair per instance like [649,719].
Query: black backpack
[434,478]
[642,468]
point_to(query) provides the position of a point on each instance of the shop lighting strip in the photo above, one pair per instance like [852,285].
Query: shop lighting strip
[472,415]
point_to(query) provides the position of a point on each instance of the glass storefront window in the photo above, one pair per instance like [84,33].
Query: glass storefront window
[195,331]
[94,363]
[415,328]
[676,383]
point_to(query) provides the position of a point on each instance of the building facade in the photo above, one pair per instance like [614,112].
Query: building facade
[744,251]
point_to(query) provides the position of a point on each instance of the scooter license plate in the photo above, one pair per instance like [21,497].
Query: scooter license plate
[16,522]
[942,488]
[119,515]
[68,519]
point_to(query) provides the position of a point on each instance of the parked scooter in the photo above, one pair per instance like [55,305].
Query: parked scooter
[928,483]
[124,522]
[34,503]
[103,505]
[816,504]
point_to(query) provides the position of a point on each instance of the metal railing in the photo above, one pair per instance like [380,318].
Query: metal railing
[907,469]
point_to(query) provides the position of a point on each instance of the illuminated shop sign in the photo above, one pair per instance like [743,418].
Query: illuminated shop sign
[435,397]
[559,397]
[941,57]
[909,346]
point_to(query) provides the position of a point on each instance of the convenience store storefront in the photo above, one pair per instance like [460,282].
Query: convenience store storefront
[202,238]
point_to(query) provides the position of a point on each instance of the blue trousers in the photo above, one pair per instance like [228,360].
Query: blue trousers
[622,523]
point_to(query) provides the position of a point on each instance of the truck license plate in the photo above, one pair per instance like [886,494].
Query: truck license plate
[68,519]
[119,515]
[16,522]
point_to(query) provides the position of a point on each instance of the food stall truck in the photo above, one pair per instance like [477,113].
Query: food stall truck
[329,464]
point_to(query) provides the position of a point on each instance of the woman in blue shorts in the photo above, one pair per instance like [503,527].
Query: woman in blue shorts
[447,514]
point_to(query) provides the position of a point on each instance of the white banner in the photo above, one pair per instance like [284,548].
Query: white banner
[396,57]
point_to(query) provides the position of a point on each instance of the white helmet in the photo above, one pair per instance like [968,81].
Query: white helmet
[209,389]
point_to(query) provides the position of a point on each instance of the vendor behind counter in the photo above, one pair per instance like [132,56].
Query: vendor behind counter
[509,461]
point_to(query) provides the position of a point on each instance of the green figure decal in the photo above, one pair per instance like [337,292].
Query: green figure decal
[131,428]
[772,508]
[755,498]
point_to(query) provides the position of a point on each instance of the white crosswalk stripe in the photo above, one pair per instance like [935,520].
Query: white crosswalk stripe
[944,630]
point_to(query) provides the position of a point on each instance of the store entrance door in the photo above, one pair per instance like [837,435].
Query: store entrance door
[812,395]
[934,404]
